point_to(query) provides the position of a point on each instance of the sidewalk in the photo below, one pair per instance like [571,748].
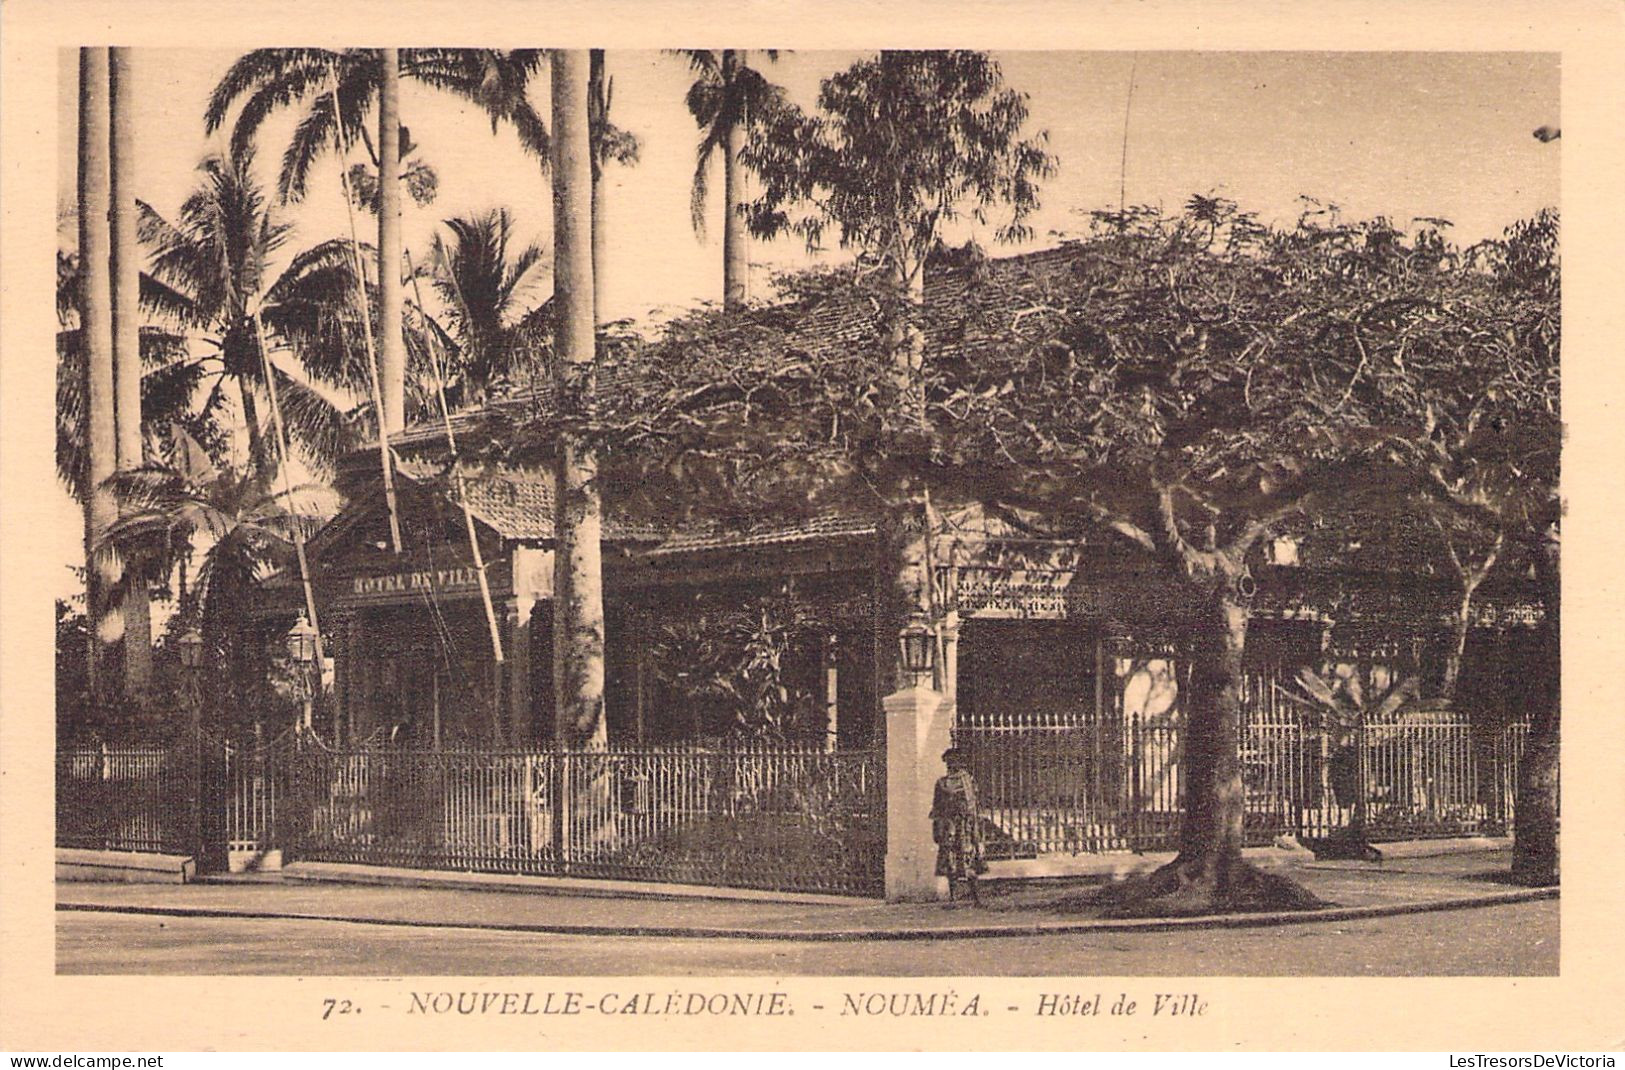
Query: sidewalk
[1360,889]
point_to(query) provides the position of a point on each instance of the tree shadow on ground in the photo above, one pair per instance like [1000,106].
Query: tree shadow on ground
[1175,890]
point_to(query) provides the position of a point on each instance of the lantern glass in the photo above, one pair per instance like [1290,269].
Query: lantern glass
[301,640]
[191,649]
[915,645]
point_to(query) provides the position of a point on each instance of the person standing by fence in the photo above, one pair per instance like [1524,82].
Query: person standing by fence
[956,825]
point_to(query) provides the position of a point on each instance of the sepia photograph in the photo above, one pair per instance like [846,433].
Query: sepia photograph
[999,522]
[902,521]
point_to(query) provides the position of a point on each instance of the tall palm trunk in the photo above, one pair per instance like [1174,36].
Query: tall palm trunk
[392,344]
[96,325]
[126,283]
[735,242]
[578,601]
[598,122]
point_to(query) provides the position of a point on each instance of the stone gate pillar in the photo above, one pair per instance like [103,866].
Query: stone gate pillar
[918,729]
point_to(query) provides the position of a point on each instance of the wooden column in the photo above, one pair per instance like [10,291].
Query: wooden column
[634,637]
[517,612]
[358,682]
[340,651]
[948,671]
[832,692]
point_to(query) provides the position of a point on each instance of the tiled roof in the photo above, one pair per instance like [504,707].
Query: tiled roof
[767,533]
[517,503]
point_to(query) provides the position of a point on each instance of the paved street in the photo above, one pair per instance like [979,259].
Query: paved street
[1519,939]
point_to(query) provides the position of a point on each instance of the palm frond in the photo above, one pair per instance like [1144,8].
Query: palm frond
[255,69]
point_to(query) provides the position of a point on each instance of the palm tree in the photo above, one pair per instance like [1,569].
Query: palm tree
[321,82]
[726,93]
[166,383]
[485,288]
[125,269]
[96,311]
[578,604]
[243,528]
[336,89]
[211,273]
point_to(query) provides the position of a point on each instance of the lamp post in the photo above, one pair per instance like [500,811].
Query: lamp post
[919,727]
[191,649]
[191,646]
[301,641]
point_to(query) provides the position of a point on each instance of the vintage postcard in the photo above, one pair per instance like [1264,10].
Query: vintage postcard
[939,527]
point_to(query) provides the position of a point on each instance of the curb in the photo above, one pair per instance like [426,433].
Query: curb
[399,877]
[1038,928]
[95,865]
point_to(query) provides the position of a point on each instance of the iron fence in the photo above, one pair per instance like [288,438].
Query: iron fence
[254,783]
[1114,783]
[782,818]
[128,797]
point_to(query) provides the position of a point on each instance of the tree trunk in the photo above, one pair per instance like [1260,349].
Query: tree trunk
[1460,626]
[258,450]
[1212,824]
[735,241]
[391,345]
[1535,845]
[126,284]
[1209,874]
[578,601]
[906,340]
[96,327]
[598,101]
[904,547]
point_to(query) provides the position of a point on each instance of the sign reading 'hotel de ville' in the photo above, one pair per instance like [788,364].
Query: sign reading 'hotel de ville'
[429,579]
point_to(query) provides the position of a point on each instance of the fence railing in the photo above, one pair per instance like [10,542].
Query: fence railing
[786,817]
[131,797]
[789,819]
[1114,784]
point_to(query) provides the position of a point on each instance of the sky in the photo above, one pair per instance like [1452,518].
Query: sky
[1400,134]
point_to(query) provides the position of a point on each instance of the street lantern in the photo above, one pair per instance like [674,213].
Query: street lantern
[191,650]
[191,645]
[916,644]
[301,641]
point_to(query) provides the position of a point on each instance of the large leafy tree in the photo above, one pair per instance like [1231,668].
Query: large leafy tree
[903,145]
[1490,457]
[1189,384]
[1200,381]
[726,96]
